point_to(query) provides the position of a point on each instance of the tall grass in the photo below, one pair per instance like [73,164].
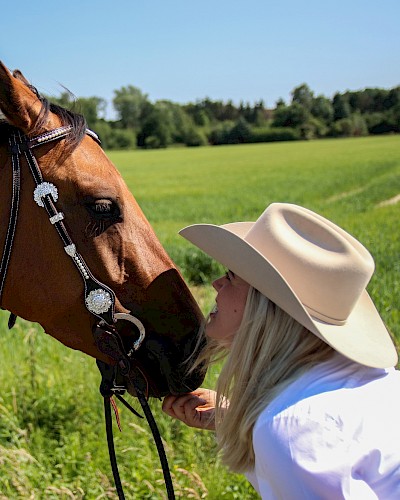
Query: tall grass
[52,439]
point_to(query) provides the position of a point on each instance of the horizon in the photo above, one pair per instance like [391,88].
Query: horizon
[186,53]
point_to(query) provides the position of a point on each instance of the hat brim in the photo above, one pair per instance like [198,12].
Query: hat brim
[362,338]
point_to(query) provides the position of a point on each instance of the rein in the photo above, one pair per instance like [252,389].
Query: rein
[99,299]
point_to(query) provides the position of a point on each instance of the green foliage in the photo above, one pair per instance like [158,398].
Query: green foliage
[322,109]
[303,96]
[163,123]
[198,268]
[353,126]
[194,137]
[115,138]
[219,133]
[292,116]
[313,128]
[92,108]
[341,106]
[160,122]
[242,133]
[381,123]
[273,134]
[130,103]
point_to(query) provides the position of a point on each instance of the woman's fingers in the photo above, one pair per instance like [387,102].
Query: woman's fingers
[173,405]
[209,396]
[193,410]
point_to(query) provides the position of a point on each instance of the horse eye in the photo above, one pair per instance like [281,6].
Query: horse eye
[103,209]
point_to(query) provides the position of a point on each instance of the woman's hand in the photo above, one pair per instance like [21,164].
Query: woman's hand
[195,409]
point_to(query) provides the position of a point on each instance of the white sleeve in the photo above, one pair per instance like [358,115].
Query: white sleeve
[305,459]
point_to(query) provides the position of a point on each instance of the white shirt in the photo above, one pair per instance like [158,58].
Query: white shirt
[332,434]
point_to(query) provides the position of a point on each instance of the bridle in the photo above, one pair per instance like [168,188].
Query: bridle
[99,299]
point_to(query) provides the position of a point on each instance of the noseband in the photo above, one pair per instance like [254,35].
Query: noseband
[99,299]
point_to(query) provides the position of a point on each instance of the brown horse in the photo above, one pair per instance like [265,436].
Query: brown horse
[111,233]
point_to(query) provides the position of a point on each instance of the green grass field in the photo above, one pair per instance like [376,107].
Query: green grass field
[52,439]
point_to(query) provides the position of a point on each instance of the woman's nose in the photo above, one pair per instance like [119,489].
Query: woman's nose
[217,284]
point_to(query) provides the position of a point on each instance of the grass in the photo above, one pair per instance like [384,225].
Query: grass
[52,439]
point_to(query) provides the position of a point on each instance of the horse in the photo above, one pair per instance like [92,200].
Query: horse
[103,271]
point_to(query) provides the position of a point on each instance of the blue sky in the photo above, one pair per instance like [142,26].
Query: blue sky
[185,50]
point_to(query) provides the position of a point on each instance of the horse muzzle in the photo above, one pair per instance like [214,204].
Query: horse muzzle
[151,362]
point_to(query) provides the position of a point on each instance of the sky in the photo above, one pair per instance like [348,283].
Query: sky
[184,51]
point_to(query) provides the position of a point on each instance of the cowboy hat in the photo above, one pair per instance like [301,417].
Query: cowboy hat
[312,269]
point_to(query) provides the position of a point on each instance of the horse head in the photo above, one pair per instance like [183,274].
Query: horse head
[110,232]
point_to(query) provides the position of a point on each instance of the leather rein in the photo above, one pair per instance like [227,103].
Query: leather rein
[99,299]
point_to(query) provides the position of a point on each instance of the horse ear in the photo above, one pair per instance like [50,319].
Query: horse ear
[20,105]
[18,74]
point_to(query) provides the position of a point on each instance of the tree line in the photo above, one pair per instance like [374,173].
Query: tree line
[141,123]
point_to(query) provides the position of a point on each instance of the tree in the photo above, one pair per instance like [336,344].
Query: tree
[353,126]
[194,137]
[115,138]
[229,112]
[130,104]
[322,109]
[259,116]
[92,108]
[219,133]
[183,128]
[313,128]
[341,106]
[380,123]
[370,100]
[239,133]
[280,103]
[303,95]
[157,127]
[65,100]
[294,115]
[393,98]
[198,114]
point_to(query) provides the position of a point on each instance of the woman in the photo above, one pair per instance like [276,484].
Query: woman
[307,402]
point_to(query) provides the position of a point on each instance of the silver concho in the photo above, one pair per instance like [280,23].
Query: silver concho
[98,301]
[44,189]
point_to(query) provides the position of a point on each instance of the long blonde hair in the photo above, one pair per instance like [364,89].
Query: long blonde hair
[268,351]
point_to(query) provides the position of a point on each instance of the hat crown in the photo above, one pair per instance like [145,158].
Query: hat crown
[326,267]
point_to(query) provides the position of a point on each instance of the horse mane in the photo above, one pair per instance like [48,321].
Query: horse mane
[66,116]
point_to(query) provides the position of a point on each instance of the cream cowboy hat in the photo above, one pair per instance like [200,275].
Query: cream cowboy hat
[312,269]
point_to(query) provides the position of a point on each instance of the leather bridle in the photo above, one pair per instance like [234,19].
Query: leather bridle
[99,299]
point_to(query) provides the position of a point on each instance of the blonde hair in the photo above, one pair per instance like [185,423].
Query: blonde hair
[269,350]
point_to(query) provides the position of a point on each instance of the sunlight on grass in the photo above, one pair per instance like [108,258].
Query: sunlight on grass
[52,438]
